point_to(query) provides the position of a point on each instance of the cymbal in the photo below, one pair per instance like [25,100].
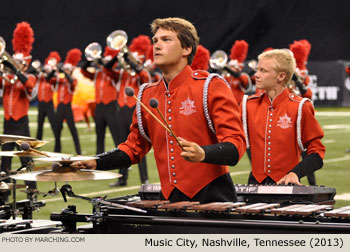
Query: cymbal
[13,138]
[4,187]
[65,173]
[33,154]
[32,143]
[66,160]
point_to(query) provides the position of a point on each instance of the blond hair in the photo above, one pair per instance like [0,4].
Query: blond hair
[284,60]
[185,30]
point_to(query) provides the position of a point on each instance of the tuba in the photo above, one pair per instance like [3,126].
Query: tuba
[93,52]
[117,41]
[5,56]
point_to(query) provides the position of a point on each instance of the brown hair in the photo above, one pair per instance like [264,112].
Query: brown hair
[186,32]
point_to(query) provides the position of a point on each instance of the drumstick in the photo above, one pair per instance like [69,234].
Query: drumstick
[26,147]
[130,92]
[154,104]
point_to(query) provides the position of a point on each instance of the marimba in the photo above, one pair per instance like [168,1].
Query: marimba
[215,217]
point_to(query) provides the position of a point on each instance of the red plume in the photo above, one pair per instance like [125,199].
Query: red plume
[347,70]
[239,51]
[149,54]
[201,59]
[268,49]
[73,56]
[53,54]
[307,45]
[23,39]
[109,52]
[300,54]
[140,44]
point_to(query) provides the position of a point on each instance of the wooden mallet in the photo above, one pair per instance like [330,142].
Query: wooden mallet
[154,104]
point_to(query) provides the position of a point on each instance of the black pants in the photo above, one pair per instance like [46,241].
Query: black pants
[18,128]
[64,111]
[125,118]
[45,109]
[221,189]
[106,115]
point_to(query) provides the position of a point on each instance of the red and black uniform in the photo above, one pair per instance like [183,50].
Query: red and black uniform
[106,113]
[198,108]
[65,91]
[45,104]
[273,129]
[126,109]
[16,98]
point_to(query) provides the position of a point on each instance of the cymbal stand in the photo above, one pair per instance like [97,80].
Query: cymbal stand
[14,215]
[67,190]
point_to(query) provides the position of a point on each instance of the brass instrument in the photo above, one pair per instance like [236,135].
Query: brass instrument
[5,56]
[117,41]
[253,64]
[36,64]
[218,60]
[93,52]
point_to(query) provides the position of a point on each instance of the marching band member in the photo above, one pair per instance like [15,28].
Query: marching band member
[199,108]
[239,81]
[301,50]
[279,125]
[139,47]
[17,95]
[45,92]
[65,88]
[106,112]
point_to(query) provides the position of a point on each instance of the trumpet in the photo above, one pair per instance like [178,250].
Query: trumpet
[117,41]
[93,52]
[5,56]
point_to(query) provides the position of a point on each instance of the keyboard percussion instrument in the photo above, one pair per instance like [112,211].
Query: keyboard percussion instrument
[259,209]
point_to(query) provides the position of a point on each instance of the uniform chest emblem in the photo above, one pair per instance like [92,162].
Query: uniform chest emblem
[187,107]
[284,122]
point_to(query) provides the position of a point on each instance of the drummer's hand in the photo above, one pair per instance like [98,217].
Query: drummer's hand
[87,164]
[192,151]
[291,178]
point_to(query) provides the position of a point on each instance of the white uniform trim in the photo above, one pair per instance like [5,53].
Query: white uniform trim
[205,98]
[300,112]
[244,118]
[139,115]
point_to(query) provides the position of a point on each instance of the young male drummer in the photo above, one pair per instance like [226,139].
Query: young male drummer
[201,111]
[280,125]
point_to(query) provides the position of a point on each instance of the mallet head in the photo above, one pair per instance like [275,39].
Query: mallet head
[129,91]
[153,103]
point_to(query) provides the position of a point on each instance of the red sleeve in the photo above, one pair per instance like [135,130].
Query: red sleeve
[311,131]
[30,83]
[225,115]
